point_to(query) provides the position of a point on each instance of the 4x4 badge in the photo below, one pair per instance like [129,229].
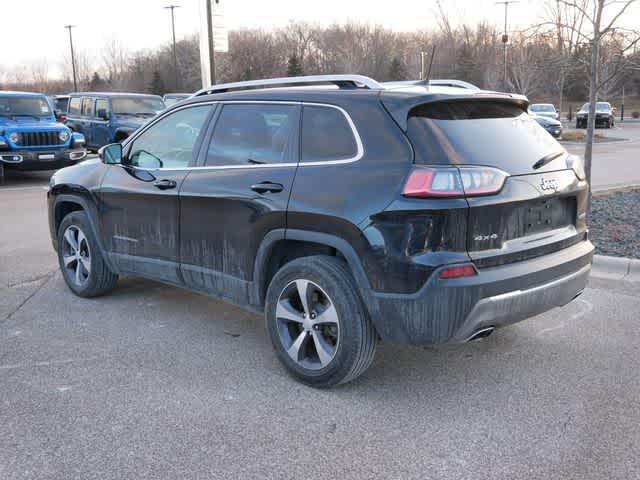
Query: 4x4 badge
[549,185]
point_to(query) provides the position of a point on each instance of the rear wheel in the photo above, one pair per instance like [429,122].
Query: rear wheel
[80,258]
[317,322]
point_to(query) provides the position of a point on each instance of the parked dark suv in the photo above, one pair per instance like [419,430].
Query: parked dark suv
[347,214]
[604,115]
[110,117]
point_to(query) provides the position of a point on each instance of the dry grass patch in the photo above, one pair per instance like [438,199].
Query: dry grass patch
[578,135]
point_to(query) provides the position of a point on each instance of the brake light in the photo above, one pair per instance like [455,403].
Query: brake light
[458,272]
[439,182]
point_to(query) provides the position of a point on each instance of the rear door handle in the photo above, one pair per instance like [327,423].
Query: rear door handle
[264,187]
[165,184]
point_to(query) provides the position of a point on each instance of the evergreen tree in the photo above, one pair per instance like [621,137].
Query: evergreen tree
[157,84]
[294,67]
[397,70]
[96,83]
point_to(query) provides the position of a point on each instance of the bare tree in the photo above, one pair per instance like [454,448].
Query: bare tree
[594,13]
[116,61]
[39,70]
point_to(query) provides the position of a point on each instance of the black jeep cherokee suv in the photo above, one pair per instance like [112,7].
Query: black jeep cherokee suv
[348,212]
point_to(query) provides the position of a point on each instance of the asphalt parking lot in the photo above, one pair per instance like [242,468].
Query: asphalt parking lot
[155,382]
[615,164]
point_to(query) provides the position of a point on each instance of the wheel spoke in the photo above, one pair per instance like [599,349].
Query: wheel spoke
[328,316]
[303,291]
[68,260]
[86,263]
[68,235]
[285,311]
[81,238]
[324,350]
[296,346]
[79,273]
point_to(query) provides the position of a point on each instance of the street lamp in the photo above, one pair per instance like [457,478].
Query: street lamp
[173,31]
[73,59]
[212,55]
[505,37]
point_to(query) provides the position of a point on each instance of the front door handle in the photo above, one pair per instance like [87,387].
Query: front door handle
[264,187]
[165,184]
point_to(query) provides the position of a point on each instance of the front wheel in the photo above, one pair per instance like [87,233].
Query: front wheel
[318,324]
[83,267]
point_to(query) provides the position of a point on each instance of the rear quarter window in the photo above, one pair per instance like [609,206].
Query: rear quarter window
[326,135]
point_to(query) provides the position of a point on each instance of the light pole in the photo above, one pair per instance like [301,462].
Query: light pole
[212,55]
[173,32]
[505,37]
[73,58]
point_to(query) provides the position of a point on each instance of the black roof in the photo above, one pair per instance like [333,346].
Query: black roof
[398,101]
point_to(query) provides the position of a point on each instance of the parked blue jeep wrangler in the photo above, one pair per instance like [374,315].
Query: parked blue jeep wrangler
[106,118]
[30,137]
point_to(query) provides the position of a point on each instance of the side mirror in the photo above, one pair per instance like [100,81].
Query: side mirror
[111,154]
[103,114]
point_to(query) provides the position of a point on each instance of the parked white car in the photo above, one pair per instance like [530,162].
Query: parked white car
[543,110]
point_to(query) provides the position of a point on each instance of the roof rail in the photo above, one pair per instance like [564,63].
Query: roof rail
[342,81]
[453,83]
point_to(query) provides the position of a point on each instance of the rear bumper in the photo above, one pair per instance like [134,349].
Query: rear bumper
[41,160]
[451,311]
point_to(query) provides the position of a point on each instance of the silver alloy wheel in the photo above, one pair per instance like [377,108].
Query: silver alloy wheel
[308,324]
[76,256]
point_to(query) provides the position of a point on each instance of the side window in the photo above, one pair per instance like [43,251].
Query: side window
[102,106]
[248,134]
[87,107]
[169,143]
[326,135]
[74,106]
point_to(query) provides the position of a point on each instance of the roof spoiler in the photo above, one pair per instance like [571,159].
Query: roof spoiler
[399,105]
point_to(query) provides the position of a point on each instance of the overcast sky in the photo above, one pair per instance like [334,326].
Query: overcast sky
[36,26]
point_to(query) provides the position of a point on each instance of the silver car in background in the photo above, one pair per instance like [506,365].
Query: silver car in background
[544,110]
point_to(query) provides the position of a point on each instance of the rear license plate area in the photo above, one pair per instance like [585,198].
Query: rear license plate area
[545,215]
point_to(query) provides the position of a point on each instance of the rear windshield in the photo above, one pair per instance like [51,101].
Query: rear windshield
[478,133]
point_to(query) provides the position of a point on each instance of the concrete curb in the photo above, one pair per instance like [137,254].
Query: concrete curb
[616,268]
[611,188]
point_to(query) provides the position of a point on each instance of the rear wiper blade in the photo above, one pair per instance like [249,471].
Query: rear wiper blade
[546,159]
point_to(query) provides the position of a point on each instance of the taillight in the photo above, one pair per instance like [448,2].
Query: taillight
[439,182]
[458,271]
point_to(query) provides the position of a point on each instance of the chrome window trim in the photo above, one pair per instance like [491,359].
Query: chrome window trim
[359,146]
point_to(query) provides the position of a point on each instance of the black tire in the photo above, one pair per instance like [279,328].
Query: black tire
[99,279]
[356,337]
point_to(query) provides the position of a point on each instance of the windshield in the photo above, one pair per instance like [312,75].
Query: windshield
[168,101]
[542,108]
[600,106]
[15,106]
[137,105]
[61,103]
[503,135]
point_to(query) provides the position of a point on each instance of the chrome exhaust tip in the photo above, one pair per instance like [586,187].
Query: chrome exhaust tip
[482,333]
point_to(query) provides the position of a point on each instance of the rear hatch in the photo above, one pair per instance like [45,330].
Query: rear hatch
[540,206]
